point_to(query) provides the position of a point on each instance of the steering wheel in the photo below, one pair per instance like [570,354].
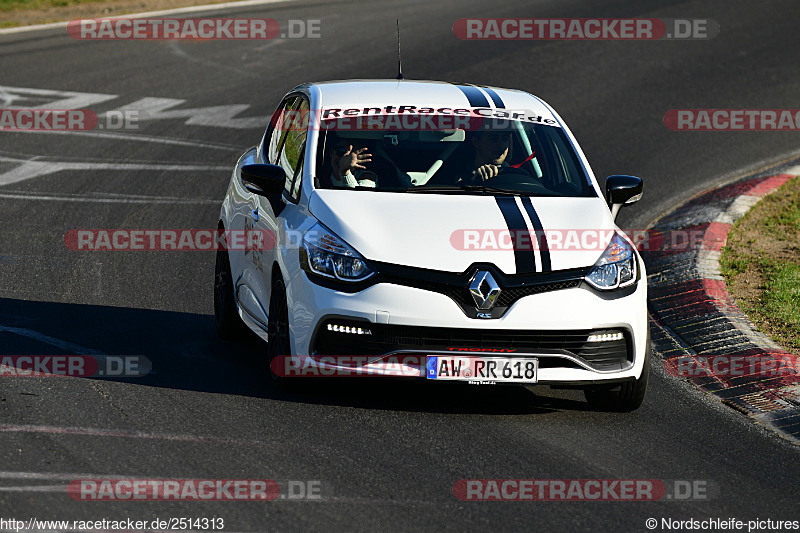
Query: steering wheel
[509,177]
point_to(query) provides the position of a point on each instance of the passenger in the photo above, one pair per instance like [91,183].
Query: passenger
[347,165]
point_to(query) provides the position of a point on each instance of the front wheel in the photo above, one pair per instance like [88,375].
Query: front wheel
[630,394]
[229,324]
[278,332]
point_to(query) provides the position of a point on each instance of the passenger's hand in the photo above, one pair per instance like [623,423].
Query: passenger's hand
[354,159]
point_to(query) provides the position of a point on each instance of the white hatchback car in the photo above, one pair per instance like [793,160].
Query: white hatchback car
[456,231]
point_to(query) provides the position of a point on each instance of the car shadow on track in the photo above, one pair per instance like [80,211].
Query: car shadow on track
[185,353]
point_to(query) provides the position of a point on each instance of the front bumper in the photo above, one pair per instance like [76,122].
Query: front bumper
[410,321]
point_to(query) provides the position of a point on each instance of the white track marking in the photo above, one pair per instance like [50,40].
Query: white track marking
[144,109]
[64,99]
[52,341]
[33,169]
[792,170]
[35,488]
[221,116]
[191,9]
[114,200]
[124,433]
[135,137]
[53,476]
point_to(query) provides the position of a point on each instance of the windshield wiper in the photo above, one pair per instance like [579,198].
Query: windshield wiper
[463,188]
[437,188]
[484,188]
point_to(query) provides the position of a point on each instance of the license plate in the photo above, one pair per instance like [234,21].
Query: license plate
[483,369]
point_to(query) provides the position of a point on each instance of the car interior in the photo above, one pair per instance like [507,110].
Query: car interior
[404,160]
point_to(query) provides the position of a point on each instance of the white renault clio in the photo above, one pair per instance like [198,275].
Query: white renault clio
[454,230]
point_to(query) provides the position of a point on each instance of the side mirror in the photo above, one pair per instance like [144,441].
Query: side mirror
[622,190]
[263,179]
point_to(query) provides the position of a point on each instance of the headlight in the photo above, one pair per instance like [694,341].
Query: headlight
[329,256]
[616,267]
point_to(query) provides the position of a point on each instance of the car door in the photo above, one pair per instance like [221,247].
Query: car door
[285,147]
[253,265]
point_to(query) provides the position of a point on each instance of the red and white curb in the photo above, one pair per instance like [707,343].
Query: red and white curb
[700,332]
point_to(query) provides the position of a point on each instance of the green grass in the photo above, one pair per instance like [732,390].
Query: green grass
[763,249]
[733,263]
[782,295]
[784,221]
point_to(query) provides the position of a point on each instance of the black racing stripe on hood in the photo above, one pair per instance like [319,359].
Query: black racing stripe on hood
[498,102]
[474,95]
[523,259]
[541,238]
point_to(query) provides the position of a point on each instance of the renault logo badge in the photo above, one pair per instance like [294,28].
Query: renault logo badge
[484,289]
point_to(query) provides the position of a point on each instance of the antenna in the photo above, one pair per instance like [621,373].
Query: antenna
[399,61]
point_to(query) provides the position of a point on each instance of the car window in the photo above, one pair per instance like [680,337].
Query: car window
[293,147]
[559,166]
[277,131]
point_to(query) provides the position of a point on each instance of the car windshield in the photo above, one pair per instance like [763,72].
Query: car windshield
[502,156]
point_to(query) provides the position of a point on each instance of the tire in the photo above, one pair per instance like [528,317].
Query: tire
[229,324]
[630,394]
[278,332]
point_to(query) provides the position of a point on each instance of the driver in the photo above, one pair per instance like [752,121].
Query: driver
[491,149]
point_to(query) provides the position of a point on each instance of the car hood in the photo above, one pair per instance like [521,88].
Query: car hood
[450,232]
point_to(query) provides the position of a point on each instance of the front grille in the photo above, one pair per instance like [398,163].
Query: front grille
[456,286]
[511,295]
[390,338]
[508,296]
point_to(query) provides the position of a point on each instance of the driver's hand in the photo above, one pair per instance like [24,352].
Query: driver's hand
[485,172]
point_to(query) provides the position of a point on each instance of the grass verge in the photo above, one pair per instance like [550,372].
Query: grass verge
[761,265]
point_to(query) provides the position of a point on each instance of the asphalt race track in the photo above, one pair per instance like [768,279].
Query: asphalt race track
[385,454]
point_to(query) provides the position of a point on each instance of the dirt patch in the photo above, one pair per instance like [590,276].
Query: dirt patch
[761,261]
[43,12]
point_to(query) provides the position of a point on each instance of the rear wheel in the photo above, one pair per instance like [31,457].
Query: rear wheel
[229,324]
[626,397]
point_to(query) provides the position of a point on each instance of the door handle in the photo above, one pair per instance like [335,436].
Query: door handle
[254,212]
